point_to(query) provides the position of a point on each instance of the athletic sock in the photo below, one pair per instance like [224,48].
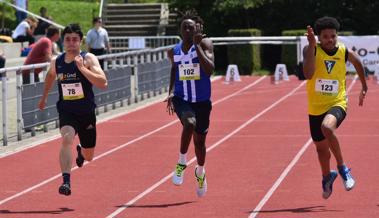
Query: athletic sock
[200,171]
[182,159]
[66,178]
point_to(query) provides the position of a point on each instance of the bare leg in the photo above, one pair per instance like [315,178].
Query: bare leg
[200,149]
[328,127]
[324,155]
[189,123]
[88,153]
[65,156]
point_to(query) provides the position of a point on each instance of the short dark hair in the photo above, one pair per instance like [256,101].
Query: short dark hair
[42,9]
[51,31]
[73,28]
[96,19]
[192,15]
[326,23]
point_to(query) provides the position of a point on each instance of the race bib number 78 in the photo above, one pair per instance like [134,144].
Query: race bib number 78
[72,91]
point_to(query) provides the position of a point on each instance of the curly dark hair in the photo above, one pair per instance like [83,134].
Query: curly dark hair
[326,23]
[73,28]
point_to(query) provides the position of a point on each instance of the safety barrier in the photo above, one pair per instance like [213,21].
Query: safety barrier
[125,73]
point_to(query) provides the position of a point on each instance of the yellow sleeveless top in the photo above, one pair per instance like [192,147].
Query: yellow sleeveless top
[327,88]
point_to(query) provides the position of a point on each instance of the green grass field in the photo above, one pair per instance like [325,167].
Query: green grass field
[66,12]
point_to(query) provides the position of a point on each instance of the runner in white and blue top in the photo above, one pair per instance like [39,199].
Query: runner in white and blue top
[192,84]
[192,65]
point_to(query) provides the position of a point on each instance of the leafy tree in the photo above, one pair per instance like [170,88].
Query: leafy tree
[274,16]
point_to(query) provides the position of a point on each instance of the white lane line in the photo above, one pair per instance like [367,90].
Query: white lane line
[124,145]
[280,179]
[151,188]
[287,170]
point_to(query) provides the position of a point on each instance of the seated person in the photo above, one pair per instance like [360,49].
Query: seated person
[24,30]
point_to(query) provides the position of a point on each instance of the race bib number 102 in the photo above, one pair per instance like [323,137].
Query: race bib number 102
[189,72]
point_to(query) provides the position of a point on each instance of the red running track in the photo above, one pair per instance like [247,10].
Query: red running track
[255,133]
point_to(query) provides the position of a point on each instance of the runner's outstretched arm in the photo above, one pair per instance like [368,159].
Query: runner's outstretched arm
[309,54]
[354,59]
[172,71]
[49,81]
[204,49]
[170,107]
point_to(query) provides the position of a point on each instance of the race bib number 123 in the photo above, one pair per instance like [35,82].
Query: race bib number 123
[327,86]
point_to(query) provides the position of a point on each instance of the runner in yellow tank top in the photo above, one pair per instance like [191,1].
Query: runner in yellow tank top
[325,70]
[326,88]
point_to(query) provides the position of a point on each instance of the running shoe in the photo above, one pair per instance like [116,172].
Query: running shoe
[65,189]
[347,178]
[201,188]
[80,158]
[327,184]
[178,176]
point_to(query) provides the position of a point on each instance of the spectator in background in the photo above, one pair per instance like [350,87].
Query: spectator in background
[97,39]
[20,15]
[24,30]
[2,59]
[41,52]
[42,26]
[56,49]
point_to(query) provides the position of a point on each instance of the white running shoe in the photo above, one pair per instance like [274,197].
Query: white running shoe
[202,186]
[347,178]
[178,176]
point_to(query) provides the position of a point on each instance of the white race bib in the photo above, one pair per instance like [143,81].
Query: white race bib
[72,91]
[327,86]
[189,72]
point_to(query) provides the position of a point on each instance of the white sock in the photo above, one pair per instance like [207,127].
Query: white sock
[182,159]
[200,171]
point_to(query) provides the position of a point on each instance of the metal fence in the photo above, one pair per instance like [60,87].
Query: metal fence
[153,77]
[127,78]
[122,44]
[260,40]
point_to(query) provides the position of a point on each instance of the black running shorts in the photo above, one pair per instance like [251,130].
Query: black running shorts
[201,111]
[315,122]
[84,125]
